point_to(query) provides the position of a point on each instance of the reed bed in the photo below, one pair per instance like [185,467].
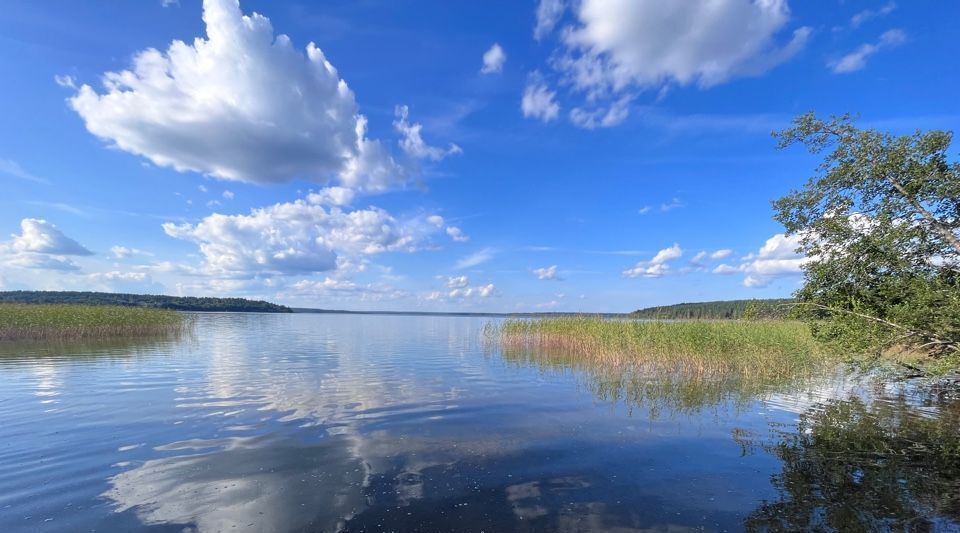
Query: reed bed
[53,322]
[676,364]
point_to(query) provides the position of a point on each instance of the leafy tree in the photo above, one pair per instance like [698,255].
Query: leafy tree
[879,224]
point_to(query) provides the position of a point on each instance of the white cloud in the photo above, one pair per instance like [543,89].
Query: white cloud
[674,203]
[346,290]
[241,104]
[41,261]
[725,269]
[456,234]
[296,238]
[698,259]
[548,14]
[228,195]
[41,245]
[483,291]
[202,188]
[777,258]
[857,59]
[40,236]
[539,101]
[476,258]
[868,14]
[546,273]
[412,141]
[332,196]
[123,252]
[644,210]
[656,267]
[650,43]
[493,59]
[436,220]
[12,168]
[602,117]
[65,81]
[457,282]
[720,254]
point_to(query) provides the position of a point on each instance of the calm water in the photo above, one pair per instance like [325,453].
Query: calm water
[369,423]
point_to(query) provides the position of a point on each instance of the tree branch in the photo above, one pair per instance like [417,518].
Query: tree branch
[937,225]
[934,340]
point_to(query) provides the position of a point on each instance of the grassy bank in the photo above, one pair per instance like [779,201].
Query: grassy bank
[763,349]
[57,322]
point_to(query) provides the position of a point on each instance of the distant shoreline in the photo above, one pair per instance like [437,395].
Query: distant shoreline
[307,310]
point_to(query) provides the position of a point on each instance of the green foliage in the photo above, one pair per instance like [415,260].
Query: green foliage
[719,310]
[178,303]
[880,224]
[70,321]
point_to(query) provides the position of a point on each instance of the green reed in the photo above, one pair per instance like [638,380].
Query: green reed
[68,321]
[688,363]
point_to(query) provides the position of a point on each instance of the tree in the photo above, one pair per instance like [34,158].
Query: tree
[879,224]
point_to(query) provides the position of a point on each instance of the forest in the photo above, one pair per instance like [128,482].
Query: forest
[717,310]
[178,303]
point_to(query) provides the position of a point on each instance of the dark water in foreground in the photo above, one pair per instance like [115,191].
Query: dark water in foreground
[369,423]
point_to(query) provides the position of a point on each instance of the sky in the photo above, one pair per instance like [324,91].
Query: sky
[551,155]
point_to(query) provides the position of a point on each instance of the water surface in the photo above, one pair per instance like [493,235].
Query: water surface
[393,423]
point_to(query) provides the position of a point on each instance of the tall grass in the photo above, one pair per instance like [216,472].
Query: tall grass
[682,364]
[69,321]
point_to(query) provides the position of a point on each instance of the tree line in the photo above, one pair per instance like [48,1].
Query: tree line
[178,303]
[718,310]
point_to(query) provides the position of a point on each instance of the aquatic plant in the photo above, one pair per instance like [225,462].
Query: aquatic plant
[680,366]
[66,321]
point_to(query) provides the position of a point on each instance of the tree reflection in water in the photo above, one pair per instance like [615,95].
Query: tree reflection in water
[851,465]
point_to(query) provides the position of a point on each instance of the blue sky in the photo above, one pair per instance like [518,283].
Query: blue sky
[595,155]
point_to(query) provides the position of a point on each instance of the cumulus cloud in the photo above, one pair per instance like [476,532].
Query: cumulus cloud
[857,59]
[725,269]
[777,257]
[493,59]
[331,288]
[332,196]
[40,236]
[656,267]
[459,289]
[720,254]
[241,104]
[412,141]
[649,43]
[546,273]
[457,282]
[539,101]
[298,237]
[548,14]
[616,49]
[41,245]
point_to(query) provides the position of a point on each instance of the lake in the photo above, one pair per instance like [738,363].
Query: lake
[259,422]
